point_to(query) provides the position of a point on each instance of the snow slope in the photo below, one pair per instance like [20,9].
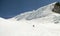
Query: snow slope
[44,12]
[40,12]
[40,22]
[25,28]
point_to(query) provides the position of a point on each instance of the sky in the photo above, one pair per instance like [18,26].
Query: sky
[11,8]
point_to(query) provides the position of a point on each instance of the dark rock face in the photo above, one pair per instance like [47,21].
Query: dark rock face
[56,8]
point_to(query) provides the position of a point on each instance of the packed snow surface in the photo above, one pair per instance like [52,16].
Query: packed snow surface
[40,22]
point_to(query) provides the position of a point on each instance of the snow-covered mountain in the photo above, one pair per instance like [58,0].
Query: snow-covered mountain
[39,13]
[40,22]
[44,13]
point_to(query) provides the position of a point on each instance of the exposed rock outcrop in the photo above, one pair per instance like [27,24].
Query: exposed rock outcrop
[56,8]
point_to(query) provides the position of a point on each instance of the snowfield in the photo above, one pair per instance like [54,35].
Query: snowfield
[40,22]
[25,28]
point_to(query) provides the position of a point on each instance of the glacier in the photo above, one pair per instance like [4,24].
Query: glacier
[46,23]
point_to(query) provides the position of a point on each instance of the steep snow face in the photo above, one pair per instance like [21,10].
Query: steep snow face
[39,13]
[44,12]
